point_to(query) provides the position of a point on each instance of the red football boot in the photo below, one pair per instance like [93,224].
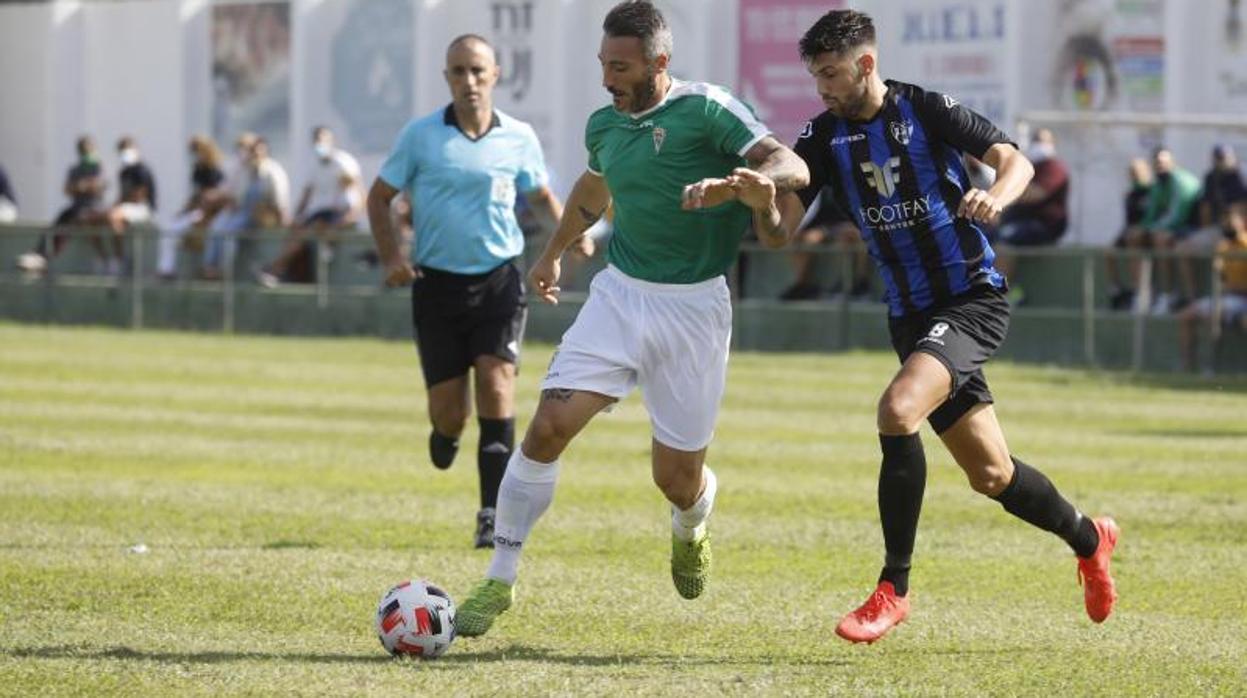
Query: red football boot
[1099,592]
[883,611]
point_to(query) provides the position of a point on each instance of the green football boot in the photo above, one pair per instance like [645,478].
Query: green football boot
[690,564]
[486,602]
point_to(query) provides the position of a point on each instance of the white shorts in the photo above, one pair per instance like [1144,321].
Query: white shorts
[1233,307]
[134,213]
[671,339]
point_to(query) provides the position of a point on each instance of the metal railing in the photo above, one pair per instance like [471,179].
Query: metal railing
[140,276]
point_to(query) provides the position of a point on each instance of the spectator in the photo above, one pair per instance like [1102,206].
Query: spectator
[1223,186]
[1231,263]
[332,199]
[1170,207]
[136,201]
[8,200]
[1121,294]
[1040,215]
[258,197]
[84,185]
[207,179]
[828,223]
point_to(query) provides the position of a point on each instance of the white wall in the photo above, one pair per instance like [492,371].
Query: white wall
[144,68]
[25,110]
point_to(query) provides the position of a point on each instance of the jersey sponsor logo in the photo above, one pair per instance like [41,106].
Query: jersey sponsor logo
[807,130]
[660,136]
[843,140]
[902,131]
[897,216]
[885,177]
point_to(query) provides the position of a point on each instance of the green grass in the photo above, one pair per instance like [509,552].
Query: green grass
[282,485]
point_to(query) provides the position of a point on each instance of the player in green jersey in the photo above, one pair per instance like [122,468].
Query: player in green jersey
[687,167]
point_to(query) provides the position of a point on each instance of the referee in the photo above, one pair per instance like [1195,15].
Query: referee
[462,167]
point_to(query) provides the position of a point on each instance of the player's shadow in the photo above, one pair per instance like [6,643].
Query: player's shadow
[525,653]
[207,657]
[460,656]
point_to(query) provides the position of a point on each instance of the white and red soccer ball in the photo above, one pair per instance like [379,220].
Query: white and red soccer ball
[416,619]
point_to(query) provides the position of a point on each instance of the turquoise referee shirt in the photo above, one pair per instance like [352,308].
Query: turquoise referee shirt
[463,191]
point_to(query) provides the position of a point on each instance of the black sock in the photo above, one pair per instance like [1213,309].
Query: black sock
[492,453]
[902,480]
[442,449]
[1033,498]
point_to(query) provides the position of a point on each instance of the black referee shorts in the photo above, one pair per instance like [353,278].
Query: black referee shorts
[963,334]
[459,317]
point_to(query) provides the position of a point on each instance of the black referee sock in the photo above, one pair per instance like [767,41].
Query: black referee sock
[1033,498]
[902,480]
[492,453]
[442,449]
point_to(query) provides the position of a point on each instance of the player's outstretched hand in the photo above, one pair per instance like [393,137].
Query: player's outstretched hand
[400,273]
[708,193]
[979,206]
[544,278]
[753,188]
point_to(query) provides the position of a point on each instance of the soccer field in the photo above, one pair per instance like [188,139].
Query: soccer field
[280,486]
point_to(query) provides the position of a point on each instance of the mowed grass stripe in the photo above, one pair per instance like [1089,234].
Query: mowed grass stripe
[281,486]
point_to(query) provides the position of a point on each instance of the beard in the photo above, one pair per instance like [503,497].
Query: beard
[643,94]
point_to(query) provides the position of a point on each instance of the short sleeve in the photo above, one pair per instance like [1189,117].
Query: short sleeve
[963,128]
[592,139]
[808,148]
[532,173]
[399,167]
[732,125]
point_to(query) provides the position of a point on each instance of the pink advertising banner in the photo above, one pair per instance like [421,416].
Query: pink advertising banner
[772,77]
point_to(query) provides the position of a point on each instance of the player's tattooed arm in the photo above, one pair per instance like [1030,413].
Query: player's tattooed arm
[785,168]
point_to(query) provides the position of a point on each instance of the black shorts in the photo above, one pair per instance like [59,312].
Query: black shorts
[963,334]
[458,317]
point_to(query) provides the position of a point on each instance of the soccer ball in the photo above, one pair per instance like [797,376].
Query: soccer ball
[416,619]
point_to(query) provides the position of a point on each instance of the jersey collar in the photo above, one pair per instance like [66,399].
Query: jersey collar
[450,119]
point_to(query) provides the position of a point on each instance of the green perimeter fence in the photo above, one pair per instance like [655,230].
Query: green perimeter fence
[1065,319]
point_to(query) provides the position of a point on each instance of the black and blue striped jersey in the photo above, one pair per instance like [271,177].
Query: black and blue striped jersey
[901,178]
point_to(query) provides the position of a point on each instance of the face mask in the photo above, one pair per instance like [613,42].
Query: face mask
[1038,152]
[88,158]
[323,150]
[129,156]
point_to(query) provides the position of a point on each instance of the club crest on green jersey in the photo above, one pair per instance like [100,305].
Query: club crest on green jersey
[660,136]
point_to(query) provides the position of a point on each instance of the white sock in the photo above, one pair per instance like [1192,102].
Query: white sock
[689,523]
[525,494]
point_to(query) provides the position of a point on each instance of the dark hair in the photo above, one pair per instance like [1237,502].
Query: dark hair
[640,19]
[85,144]
[125,142]
[318,130]
[838,31]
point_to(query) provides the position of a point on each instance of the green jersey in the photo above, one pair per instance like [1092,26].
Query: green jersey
[696,131]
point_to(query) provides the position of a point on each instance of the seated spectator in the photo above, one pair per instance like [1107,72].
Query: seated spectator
[1170,208]
[8,200]
[1121,293]
[1223,186]
[333,199]
[1040,216]
[136,202]
[828,223]
[1231,264]
[258,196]
[84,185]
[207,178]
